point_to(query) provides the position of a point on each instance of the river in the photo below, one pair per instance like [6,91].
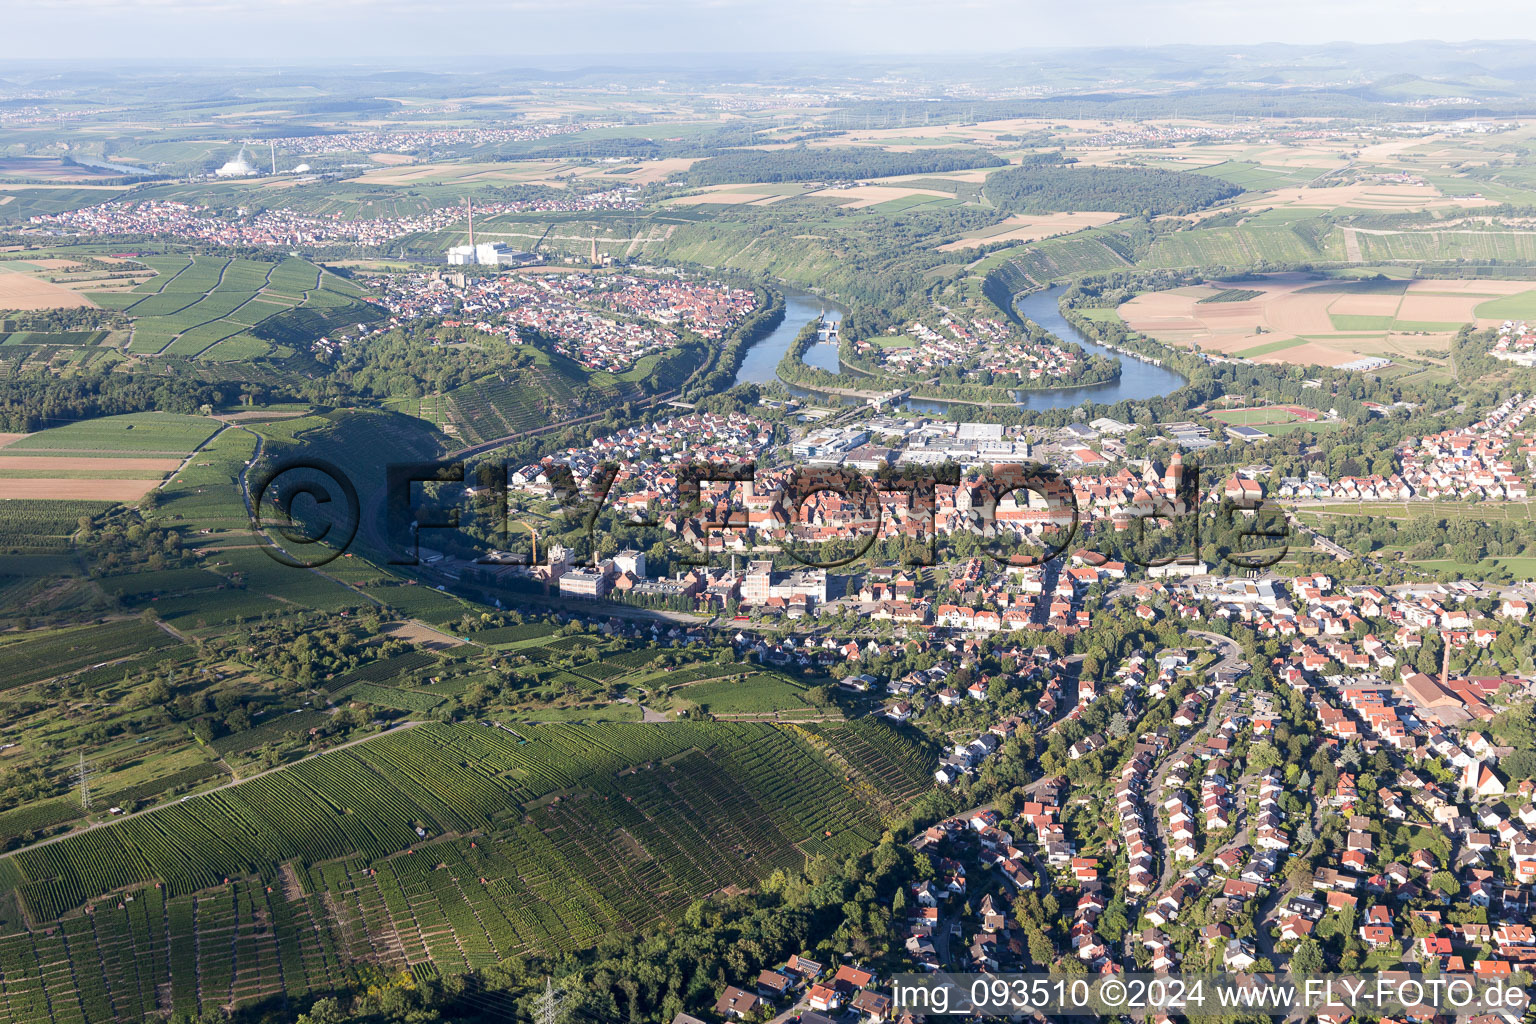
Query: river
[762,359]
[127,170]
[1139,378]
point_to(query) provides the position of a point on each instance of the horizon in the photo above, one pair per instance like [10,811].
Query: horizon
[359,29]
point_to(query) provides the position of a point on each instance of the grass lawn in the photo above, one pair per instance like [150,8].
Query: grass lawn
[1254,417]
[759,692]
[589,713]
[1521,568]
[895,341]
[1101,316]
[1511,307]
[1276,429]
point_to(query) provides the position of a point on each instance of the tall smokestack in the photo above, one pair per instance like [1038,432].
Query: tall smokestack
[273,144]
[469,204]
[1445,662]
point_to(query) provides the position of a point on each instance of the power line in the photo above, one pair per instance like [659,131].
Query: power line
[85,782]
[546,1009]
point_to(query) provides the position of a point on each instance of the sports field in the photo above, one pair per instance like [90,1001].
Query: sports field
[1256,417]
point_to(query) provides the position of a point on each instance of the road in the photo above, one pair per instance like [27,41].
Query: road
[1336,550]
[191,455]
[1231,653]
[1157,792]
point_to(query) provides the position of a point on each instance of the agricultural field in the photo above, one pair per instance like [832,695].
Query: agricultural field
[755,693]
[1061,259]
[1025,227]
[116,458]
[1297,318]
[224,309]
[1238,247]
[326,853]
[1259,177]
[25,660]
[31,526]
[21,290]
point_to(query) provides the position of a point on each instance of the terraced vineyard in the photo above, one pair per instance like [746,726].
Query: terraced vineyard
[25,661]
[493,407]
[41,525]
[1068,257]
[1503,246]
[219,308]
[1239,247]
[896,760]
[541,839]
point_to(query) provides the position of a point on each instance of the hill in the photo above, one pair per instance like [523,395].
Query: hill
[438,848]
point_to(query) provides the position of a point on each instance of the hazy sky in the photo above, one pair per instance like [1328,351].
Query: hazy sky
[350,29]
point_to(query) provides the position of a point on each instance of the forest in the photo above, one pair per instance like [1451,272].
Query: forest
[38,399]
[838,163]
[1049,189]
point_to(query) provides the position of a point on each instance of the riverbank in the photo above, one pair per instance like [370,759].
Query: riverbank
[760,363]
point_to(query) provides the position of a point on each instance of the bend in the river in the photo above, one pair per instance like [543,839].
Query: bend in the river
[1139,379]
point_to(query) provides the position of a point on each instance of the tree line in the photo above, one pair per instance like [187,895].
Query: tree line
[838,163]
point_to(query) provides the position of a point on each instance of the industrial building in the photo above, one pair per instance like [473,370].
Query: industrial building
[490,254]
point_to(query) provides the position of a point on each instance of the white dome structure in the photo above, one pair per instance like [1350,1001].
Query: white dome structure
[239,167]
[301,169]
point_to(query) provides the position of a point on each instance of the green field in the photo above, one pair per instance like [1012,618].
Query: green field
[1280,429]
[1260,177]
[1254,417]
[1347,322]
[134,435]
[288,867]
[221,308]
[1522,568]
[1511,307]
[757,693]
